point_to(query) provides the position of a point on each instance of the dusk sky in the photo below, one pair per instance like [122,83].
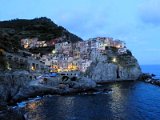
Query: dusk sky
[137,22]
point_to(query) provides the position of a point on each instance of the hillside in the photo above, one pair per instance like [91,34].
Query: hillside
[12,31]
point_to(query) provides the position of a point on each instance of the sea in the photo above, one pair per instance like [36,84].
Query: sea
[152,69]
[125,101]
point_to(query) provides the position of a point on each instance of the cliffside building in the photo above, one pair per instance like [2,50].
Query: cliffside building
[78,56]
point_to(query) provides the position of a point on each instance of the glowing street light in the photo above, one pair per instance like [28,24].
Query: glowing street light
[114,60]
[53,51]
[8,66]
[33,68]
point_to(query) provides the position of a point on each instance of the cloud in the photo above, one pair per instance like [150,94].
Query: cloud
[104,18]
[149,11]
[85,22]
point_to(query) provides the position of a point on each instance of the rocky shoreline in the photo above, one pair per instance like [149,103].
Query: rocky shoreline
[17,86]
[149,78]
[71,88]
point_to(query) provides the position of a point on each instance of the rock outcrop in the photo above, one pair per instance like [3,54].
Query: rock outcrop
[104,69]
[85,83]
[54,86]
[11,83]
[149,78]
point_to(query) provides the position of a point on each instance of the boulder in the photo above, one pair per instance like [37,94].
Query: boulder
[145,76]
[84,83]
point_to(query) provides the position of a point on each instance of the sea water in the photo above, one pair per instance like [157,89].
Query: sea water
[153,69]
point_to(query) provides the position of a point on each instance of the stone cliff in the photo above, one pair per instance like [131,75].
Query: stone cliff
[112,66]
[11,83]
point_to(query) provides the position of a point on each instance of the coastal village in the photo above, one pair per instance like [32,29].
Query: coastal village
[70,56]
[69,67]
[37,62]
[49,73]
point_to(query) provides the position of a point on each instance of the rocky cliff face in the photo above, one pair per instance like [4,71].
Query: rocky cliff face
[10,84]
[112,66]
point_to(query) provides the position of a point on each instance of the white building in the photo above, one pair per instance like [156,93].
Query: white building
[84,65]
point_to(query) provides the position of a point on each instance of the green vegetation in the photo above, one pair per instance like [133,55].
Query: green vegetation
[124,60]
[11,32]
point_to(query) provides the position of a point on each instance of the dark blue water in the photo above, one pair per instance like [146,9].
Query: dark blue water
[155,69]
[127,101]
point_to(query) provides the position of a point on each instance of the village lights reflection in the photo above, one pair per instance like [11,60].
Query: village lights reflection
[118,98]
[34,105]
